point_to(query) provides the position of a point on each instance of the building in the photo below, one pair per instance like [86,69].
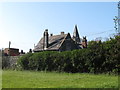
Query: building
[62,42]
[11,51]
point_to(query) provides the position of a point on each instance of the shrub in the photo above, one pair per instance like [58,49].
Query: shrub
[99,57]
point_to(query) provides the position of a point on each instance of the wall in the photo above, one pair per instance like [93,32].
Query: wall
[9,61]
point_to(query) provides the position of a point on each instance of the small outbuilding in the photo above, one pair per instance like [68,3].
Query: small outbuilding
[11,52]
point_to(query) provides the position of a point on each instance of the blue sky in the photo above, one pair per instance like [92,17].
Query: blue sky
[23,23]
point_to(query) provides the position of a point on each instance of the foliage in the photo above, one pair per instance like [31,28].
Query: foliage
[99,57]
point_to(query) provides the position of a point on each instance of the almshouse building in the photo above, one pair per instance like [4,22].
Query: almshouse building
[62,42]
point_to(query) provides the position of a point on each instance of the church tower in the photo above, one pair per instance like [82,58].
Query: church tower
[76,37]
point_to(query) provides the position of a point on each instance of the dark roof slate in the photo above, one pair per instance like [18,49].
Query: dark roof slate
[54,43]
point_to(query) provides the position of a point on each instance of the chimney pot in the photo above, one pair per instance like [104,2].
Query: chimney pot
[46,30]
[62,33]
[51,34]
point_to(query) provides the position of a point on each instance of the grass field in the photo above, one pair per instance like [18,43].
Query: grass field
[0,78]
[34,79]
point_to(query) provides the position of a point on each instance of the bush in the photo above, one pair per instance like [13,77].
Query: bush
[99,57]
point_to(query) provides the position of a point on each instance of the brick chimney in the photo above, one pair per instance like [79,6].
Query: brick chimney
[62,33]
[84,42]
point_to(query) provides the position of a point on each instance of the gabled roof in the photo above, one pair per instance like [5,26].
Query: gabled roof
[54,43]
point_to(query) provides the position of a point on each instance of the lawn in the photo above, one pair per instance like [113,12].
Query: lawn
[34,79]
[0,78]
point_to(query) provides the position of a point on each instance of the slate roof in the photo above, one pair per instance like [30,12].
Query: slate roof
[54,43]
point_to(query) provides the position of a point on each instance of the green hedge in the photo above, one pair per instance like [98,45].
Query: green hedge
[99,57]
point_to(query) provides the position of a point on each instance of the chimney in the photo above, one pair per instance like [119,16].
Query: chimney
[84,42]
[30,50]
[21,52]
[45,41]
[51,34]
[62,33]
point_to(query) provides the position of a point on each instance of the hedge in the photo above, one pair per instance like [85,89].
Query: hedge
[99,57]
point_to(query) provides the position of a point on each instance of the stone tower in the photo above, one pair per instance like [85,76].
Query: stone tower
[76,37]
[45,39]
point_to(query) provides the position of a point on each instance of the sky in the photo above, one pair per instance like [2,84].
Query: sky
[23,23]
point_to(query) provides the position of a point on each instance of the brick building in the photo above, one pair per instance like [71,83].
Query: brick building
[11,51]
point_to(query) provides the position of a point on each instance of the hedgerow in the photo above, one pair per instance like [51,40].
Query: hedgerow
[99,57]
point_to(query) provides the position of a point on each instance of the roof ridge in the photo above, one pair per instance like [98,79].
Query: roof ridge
[58,35]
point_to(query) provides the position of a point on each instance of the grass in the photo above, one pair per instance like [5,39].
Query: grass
[0,79]
[34,79]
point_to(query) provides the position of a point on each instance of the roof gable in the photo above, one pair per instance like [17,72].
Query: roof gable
[54,43]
